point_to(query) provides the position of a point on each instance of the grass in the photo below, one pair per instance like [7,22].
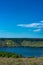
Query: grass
[14,59]
[21,61]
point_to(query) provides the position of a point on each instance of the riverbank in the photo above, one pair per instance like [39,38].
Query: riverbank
[24,51]
[10,55]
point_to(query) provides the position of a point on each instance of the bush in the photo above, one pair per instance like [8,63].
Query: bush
[13,55]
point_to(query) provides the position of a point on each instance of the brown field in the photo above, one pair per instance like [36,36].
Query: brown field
[21,61]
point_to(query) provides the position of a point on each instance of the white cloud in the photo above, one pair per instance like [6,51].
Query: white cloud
[37,30]
[28,25]
[39,26]
[32,25]
[41,21]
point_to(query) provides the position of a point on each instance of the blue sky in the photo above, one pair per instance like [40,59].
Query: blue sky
[21,18]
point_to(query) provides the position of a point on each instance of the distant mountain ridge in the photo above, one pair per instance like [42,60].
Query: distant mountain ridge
[14,42]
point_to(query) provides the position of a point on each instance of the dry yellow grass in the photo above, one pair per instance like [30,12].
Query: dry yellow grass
[21,61]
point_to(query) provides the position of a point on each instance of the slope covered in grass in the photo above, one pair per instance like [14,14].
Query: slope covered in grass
[12,42]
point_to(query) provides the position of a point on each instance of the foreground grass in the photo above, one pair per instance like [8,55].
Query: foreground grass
[21,61]
[15,59]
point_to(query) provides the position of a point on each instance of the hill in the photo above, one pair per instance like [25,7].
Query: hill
[14,42]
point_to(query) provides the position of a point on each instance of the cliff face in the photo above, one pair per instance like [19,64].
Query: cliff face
[12,42]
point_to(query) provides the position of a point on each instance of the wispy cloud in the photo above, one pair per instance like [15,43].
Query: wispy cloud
[37,30]
[41,21]
[39,26]
[29,25]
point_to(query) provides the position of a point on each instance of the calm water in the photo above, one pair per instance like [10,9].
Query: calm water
[25,51]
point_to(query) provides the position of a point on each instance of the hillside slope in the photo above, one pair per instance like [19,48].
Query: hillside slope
[12,42]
